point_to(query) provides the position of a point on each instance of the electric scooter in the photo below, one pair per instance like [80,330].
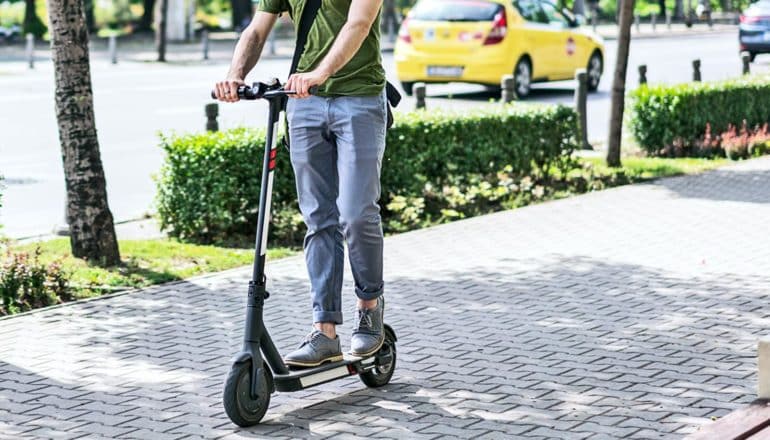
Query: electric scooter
[258,370]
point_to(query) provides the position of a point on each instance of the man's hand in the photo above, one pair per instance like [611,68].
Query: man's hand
[227,90]
[302,82]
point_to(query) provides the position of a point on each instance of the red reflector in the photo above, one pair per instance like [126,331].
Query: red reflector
[271,165]
[499,29]
[272,153]
[403,33]
[751,19]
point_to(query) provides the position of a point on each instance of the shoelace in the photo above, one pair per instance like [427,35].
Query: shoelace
[311,338]
[364,319]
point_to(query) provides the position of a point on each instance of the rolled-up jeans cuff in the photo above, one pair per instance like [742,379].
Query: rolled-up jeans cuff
[368,295]
[322,316]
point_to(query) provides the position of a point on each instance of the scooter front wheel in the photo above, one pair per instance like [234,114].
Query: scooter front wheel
[239,405]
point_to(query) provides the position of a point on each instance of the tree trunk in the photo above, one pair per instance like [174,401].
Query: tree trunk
[679,9]
[579,7]
[92,231]
[145,23]
[619,83]
[242,13]
[32,23]
[389,21]
[662,6]
[161,35]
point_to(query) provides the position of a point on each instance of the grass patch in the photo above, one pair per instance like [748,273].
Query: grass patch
[645,168]
[145,262]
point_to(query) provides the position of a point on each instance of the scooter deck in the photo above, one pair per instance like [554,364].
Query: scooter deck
[307,377]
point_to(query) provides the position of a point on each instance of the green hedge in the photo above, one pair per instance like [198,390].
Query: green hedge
[671,119]
[208,186]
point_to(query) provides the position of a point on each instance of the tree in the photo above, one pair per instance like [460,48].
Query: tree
[145,23]
[579,7]
[242,13]
[32,23]
[92,231]
[161,34]
[662,6]
[619,83]
[679,9]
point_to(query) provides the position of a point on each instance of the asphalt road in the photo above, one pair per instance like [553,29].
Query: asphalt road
[135,101]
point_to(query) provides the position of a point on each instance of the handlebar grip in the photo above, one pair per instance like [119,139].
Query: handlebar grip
[313,90]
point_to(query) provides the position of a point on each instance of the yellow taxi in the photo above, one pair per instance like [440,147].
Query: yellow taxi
[479,41]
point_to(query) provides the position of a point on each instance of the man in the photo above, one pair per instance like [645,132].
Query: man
[337,142]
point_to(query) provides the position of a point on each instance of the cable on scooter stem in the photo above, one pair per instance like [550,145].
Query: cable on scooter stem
[262,90]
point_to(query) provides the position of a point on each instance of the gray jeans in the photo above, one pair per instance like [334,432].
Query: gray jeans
[336,151]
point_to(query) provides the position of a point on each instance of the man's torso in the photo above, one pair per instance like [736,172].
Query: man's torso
[363,75]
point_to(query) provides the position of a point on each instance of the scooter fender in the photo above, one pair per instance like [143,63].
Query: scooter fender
[389,329]
[243,356]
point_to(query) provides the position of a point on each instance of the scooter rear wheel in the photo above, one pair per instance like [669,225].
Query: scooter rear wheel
[242,409]
[385,364]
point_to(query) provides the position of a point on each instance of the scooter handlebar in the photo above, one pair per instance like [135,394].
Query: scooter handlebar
[258,90]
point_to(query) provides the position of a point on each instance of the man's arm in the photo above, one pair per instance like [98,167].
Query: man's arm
[246,55]
[361,15]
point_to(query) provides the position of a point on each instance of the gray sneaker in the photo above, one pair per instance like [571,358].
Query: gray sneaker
[367,334]
[316,349]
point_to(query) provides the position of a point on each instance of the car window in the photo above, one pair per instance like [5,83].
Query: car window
[553,16]
[454,10]
[530,11]
[759,8]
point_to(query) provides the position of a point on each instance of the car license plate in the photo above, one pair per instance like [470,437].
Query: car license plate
[446,71]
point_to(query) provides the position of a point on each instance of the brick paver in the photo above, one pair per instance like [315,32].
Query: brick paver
[627,313]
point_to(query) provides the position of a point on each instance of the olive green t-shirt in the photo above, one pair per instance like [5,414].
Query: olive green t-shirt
[363,75]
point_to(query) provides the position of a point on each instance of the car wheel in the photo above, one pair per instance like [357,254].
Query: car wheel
[522,78]
[408,87]
[595,69]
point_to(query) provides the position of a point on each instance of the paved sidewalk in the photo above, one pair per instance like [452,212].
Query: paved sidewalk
[627,313]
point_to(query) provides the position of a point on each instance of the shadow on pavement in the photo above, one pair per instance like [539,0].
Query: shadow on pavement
[723,185]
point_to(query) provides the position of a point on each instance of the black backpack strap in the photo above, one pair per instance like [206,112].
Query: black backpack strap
[306,20]
[309,13]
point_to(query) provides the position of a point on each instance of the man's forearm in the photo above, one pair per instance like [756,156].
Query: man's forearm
[345,46]
[246,54]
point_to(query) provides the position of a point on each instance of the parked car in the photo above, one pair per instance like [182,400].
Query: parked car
[10,33]
[754,30]
[479,41]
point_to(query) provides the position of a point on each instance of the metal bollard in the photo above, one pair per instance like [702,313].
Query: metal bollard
[746,59]
[594,19]
[654,20]
[636,22]
[696,70]
[642,74]
[508,89]
[668,20]
[212,111]
[271,42]
[31,50]
[205,44]
[419,94]
[112,48]
[763,367]
[63,229]
[581,105]
[391,29]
